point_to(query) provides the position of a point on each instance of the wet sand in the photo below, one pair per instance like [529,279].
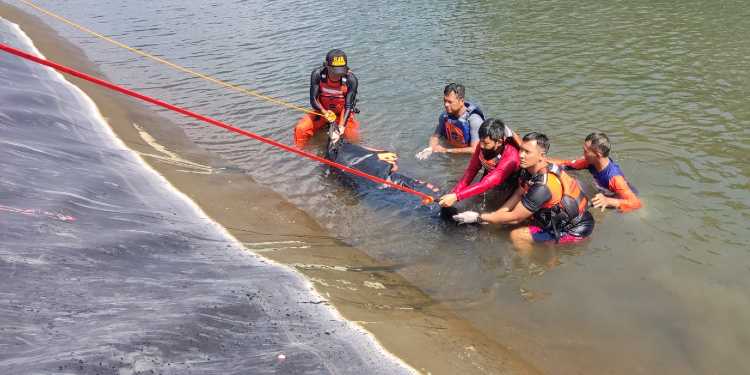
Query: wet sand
[404,320]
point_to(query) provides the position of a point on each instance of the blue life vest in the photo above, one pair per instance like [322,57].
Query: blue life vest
[601,179]
[457,130]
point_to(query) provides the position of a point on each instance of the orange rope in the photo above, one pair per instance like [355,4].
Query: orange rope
[426,199]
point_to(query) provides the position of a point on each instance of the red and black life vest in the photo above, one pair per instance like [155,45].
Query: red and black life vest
[332,95]
[568,203]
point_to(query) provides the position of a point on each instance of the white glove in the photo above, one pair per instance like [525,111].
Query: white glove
[424,154]
[334,134]
[466,217]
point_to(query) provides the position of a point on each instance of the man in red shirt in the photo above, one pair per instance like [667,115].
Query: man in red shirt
[496,153]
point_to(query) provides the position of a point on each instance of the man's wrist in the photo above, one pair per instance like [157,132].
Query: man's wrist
[614,202]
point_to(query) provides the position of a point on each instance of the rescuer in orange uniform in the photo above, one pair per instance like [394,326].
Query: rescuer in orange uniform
[333,93]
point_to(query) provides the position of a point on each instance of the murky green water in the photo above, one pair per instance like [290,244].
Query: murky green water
[661,290]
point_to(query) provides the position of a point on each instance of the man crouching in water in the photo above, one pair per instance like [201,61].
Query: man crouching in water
[497,155]
[556,201]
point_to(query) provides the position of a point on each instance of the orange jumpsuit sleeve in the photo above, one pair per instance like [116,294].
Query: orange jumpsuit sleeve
[628,200]
[570,164]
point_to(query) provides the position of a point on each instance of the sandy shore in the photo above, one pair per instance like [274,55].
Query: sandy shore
[403,319]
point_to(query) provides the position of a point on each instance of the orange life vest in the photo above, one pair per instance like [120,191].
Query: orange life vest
[332,95]
[568,203]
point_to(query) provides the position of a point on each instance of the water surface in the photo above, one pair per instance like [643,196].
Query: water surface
[661,290]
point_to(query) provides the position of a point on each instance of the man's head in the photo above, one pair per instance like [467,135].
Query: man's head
[453,98]
[533,150]
[336,64]
[595,146]
[491,137]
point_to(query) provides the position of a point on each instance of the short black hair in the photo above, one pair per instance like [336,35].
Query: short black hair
[455,88]
[599,142]
[541,140]
[494,128]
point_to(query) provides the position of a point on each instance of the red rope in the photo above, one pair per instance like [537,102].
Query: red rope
[426,199]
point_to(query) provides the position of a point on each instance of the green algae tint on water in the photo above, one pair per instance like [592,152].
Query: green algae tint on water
[661,290]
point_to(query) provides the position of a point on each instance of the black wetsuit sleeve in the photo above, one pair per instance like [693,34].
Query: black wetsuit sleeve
[315,89]
[535,197]
[351,94]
